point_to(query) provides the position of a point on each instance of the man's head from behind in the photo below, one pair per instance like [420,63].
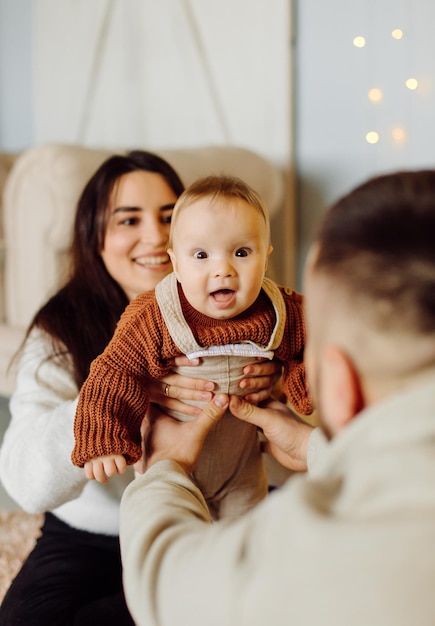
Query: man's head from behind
[370,286]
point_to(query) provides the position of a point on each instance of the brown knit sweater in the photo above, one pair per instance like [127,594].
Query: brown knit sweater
[114,398]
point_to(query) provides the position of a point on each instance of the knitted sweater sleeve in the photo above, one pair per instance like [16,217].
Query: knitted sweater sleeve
[114,398]
[291,354]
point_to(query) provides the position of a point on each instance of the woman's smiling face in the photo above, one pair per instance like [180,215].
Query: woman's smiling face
[136,239]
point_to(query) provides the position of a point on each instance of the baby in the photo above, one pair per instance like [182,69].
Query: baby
[217,305]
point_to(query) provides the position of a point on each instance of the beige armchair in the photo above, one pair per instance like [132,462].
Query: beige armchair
[40,188]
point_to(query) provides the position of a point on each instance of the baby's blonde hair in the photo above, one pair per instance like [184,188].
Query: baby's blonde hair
[220,187]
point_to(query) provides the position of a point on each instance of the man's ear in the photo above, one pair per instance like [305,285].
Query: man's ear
[174,262]
[341,395]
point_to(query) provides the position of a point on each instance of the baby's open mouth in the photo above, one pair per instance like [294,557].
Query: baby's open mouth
[223,295]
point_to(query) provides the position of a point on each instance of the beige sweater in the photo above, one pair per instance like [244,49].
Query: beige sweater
[351,545]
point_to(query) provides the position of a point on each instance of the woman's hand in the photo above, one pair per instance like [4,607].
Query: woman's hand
[172,390]
[287,435]
[261,379]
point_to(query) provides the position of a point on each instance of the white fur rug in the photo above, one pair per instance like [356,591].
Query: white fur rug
[18,534]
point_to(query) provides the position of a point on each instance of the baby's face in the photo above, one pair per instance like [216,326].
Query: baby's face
[219,253]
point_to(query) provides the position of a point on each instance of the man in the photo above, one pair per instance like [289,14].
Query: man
[352,542]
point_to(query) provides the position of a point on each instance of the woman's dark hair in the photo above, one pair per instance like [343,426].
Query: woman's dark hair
[81,317]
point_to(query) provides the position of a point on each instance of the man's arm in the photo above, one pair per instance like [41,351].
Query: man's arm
[162,512]
[179,567]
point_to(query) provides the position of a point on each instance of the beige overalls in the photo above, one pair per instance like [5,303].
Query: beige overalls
[230,471]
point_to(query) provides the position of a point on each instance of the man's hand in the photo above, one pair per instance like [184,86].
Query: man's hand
[287,435]
[182,441]
[104,467]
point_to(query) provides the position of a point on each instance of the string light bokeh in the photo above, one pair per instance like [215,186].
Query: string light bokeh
[375,94]
[358,113]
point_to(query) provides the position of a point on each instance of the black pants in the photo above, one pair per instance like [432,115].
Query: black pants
[72,577]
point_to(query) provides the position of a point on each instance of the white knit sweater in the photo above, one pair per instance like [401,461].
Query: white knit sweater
[35,458]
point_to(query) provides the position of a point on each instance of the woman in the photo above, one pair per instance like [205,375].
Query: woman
[73,576]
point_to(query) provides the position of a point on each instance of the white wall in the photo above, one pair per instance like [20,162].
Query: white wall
[170,73]
[334,112]
[16,120]
[167,74]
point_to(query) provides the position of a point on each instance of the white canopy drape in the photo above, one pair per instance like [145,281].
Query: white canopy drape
[168,73]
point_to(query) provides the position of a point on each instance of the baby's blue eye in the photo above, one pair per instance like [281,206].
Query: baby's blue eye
[200,254]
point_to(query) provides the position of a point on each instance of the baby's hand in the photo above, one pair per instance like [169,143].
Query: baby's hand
[104,467]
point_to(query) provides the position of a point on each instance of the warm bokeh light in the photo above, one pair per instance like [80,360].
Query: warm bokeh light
[359,42]
[375,94]
[398,134]
[372,137]
[411,83]
[397,33]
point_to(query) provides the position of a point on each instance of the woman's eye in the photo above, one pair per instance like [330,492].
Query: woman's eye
[200,254]
[242,252]
[166,219]
[130,221]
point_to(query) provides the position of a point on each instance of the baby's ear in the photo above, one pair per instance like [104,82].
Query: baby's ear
[268,253]
[174,262]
